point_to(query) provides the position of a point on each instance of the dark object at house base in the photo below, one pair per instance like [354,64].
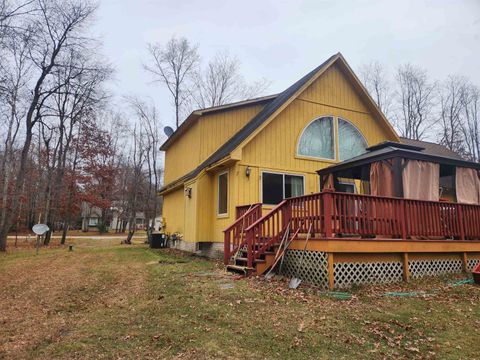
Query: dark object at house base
[158,241]
[476,274]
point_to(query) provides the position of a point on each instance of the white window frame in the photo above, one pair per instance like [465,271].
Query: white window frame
[283,183]
[351,183]
[219,214]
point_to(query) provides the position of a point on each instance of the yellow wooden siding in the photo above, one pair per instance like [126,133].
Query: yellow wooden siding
[275,146]
[217,128]
[203,138]
[183,155]
[174,211]
[333,89]
[190,232]
[205,187]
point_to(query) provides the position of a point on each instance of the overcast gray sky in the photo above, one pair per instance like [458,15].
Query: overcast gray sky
[283,40]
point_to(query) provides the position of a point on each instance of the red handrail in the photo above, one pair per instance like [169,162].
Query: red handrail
[242,209]
[266,231]
[234,237]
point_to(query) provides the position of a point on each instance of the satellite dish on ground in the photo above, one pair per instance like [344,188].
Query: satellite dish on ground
[168,131]
[40,229]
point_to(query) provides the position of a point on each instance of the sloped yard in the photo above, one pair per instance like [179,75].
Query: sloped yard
[131,302]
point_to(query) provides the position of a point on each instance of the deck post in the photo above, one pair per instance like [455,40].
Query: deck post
[226,248]
[464,262]
[250,236]
[327,212]
[406,270]
[331,275]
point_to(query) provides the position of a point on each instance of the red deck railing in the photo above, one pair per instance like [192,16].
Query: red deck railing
[234,235]
[354,215]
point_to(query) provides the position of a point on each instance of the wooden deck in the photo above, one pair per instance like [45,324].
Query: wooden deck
[342,223]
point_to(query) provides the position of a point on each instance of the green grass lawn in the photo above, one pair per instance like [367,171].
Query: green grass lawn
[124,302]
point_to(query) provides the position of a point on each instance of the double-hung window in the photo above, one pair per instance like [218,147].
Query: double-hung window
[276,187]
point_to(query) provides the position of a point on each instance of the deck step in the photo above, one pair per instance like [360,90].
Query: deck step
[244,259]
[239,269]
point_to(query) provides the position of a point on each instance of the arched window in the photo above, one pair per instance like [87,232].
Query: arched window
[318,139]
[351,142]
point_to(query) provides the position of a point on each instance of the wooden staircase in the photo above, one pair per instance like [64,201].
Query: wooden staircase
[252,241]
[239,263]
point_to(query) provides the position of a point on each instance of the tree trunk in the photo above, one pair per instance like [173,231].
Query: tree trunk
[8,221]
[64,232]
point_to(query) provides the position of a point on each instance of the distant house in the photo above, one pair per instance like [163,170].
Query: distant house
[117,221]
[319,161]
[91,216]
[120,221]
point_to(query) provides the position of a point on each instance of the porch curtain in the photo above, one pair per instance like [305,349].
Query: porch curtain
[297,186]
[467,185]
[381,178]
[421,180]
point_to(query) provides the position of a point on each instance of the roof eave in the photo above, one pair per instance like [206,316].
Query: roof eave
[398,153]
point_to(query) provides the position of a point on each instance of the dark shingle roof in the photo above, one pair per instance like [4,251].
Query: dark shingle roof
[431,148]
[390,149]
[253,124]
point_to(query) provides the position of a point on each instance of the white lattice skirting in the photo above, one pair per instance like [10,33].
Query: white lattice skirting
[360,273]
[314,269]
[421,268]
[471,263]
[347,274]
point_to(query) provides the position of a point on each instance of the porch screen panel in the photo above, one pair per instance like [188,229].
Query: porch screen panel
[421,180]
[467,184]
[381,178]
[351,142]
[317,139]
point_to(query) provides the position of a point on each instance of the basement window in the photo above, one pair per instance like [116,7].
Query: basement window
[223,193]
[276,187]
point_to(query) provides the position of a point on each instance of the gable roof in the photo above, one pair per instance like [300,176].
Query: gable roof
[195,115]
[431,148]
[270,108]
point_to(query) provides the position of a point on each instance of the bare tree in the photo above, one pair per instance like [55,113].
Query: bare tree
[375,80]
[57,27]
[416,100]
[221,82]
[453,99]
[470,124]
[172,65]
[135,181]
[79,95]
[151,128]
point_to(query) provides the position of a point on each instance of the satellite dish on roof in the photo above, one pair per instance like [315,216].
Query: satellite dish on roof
[40,229]
[168,131]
